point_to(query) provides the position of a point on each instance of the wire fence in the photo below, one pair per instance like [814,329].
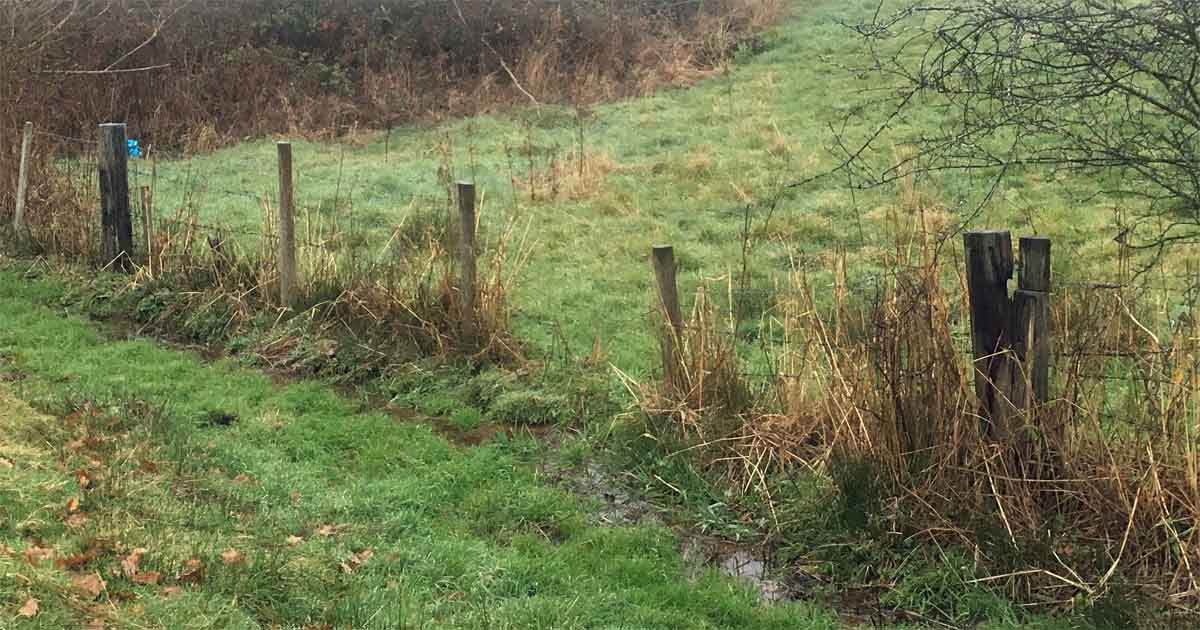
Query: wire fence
[750,314]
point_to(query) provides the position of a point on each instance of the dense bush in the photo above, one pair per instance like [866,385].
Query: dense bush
[249,66]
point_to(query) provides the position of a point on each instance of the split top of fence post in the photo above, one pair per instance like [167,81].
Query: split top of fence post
[116,240]
[287,226]
[668,289]
[1035,264]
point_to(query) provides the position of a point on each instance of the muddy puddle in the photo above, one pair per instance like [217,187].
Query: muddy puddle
[618,506]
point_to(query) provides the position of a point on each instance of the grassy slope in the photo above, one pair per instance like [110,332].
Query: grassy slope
[462,538]
[683,163]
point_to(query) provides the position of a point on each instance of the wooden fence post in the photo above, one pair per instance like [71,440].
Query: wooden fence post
[148,226]
[116,239]
[989,267]
[1010,337]
[1031,320]
[23,175]
[668,290]
[466,248]
[663,259]
[287,226]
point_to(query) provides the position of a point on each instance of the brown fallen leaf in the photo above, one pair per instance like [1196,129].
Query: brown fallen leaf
[147,577]
[129,564]
[35,555]
[90,584]
[326,531]
[148,466]
[83,478]
[77,560]
[72,505]
[232,556]
[356,560]
[170,591]
[193,572]
[30,608]
[292,541]
[242,478]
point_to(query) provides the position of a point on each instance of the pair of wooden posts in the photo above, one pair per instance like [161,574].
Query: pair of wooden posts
[1010,336]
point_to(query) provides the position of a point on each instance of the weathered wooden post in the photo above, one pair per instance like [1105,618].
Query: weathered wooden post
[23,177]
[663,259]
[1031,321]
[668,290]
[116,237]
[466,252]
[287,226]
[148,226]
[989,267]
[1010,337]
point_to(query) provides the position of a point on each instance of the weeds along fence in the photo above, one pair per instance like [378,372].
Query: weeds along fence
[432,288]
[1052,430]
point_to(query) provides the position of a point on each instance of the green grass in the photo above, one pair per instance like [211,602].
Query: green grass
[471,537]
[189,460]
[685,164]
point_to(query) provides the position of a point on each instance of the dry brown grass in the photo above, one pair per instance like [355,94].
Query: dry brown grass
[1105,474]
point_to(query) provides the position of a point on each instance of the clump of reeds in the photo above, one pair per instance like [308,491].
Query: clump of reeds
[1098,485]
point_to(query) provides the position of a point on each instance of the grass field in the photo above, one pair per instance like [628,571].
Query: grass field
[268,505]
[679,167]
[307,506]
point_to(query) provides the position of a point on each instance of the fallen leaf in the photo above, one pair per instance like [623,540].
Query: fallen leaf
[129,564]
[29,609]
[331,530]
[169,591]
[35,555]
[90,584]
[148,466]
[148,577]
[76,561]
[292,541]
[193,571]
[232,556]
[357,560]
[72,505]
[242,478]
[83,478]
